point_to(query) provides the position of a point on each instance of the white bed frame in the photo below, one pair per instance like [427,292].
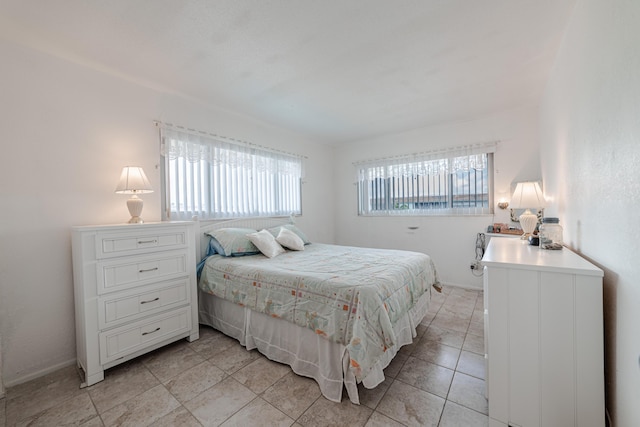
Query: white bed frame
[308,355]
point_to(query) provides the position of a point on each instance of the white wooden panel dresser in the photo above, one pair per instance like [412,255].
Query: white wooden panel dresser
[544,337]
[135,291]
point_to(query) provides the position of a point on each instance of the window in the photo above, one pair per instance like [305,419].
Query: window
[451,182]
[207,176]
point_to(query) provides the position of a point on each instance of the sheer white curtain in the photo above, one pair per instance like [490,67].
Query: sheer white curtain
[212,177]
[454,181]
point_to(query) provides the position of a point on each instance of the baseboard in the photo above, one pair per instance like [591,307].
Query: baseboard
[37,374]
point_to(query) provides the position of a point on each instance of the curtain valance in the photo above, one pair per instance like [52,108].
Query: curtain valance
[435,162]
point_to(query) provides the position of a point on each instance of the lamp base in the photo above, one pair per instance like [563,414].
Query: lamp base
[525,236]
[528,222]
[135,204]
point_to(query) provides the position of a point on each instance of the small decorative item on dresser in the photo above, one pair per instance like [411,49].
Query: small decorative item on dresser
[550,233]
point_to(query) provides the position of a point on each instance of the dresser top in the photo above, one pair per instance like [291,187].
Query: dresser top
[517,253]
[130,227]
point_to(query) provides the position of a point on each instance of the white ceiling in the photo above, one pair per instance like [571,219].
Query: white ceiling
[334,70]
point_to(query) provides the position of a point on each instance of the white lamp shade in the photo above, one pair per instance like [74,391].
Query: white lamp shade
[527,195]
[133,181]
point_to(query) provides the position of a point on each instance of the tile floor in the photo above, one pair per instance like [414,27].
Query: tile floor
[436,381]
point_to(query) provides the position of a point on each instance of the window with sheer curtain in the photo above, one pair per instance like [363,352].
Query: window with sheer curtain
[212,177]
[455,181]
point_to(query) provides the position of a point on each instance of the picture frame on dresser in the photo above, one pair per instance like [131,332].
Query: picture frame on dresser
[134,290]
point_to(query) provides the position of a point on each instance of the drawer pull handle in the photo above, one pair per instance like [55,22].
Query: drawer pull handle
[147,270]
[151,300]
[155,330]
[142,242]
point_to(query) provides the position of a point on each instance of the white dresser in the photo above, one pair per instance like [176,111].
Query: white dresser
[135,291]
[544,337]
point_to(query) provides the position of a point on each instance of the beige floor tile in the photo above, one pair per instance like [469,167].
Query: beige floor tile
[292,394]
[426,320]
[453,311]
[471,364]
[411,406]
[396,364]
[476,328]
[178,417]
[378,420]
[444,336]
[192,382]
[212,344]
[234,358]
[468,391]
[464,293]
[93,422]
[371,397]
[26,400]
[208,331]
[142,410]
[213,406]
[258,412]
[447,321]
[120,384]
[455,415]
[3,412]
[408,349]
[438,353]
[426,376]
[461,300]
[474,343]
[261,374]
[172,360]
[74,411]
[326,413]
[478,315]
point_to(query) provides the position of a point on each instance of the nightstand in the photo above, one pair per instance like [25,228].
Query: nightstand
[135,291]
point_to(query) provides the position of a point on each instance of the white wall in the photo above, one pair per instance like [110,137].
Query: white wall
[449,240]
[66,131]
[590,146]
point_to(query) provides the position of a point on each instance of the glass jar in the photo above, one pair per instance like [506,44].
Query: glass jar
[550,233]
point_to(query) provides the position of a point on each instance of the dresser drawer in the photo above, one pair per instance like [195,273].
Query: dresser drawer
[127,306]
[110,245]
[127,339]
[125,273]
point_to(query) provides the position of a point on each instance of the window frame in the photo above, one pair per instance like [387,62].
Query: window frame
[365,206]
[281,204]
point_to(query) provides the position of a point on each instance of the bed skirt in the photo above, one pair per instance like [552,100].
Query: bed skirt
[302,349]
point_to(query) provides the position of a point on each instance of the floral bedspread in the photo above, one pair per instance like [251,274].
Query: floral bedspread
[349,295]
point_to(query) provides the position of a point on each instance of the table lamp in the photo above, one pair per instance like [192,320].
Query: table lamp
[527,195]
[133,181]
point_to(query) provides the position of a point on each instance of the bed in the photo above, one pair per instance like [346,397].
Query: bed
[337,314]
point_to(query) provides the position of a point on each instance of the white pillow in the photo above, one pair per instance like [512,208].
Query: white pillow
[266,243]
[289,239]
